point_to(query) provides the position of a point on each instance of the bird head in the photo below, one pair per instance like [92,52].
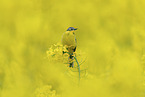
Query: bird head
[71,29]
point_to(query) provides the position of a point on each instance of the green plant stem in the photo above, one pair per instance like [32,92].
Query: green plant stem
[78,68]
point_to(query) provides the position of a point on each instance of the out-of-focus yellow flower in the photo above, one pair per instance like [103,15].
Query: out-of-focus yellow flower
[45,91]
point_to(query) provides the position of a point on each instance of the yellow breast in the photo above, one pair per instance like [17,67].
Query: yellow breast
[69,39]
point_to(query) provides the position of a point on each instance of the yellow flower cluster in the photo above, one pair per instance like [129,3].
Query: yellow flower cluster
[45,91]
[58,53]
[55,53]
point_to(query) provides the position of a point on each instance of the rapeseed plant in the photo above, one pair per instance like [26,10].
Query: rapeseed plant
[45,91]
[54,53]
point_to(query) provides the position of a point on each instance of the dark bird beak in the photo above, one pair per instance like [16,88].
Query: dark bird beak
[75,28]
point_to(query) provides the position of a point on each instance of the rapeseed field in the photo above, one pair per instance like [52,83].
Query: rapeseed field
[110,48]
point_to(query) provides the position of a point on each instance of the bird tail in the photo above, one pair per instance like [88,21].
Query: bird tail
[71,63]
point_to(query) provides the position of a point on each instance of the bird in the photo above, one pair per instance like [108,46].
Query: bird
[70,43]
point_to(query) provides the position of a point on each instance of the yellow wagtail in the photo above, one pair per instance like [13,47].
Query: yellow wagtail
[69,41]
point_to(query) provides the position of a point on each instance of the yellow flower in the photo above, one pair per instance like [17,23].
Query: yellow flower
[45,91]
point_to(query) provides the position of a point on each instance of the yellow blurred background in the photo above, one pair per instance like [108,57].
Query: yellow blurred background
[110,32]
